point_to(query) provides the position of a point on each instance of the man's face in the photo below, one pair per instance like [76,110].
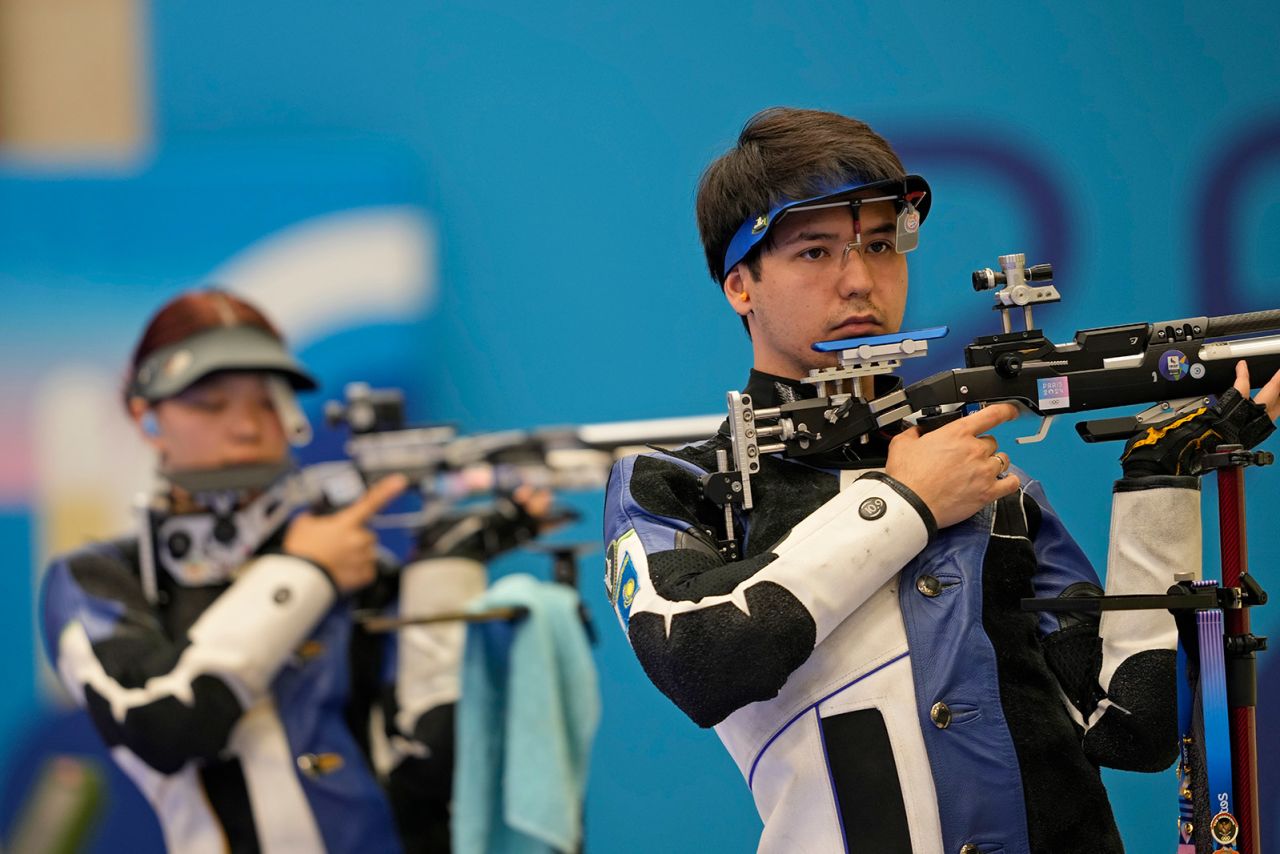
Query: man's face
[810,289]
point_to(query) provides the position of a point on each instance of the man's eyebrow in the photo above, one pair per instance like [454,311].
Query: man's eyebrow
[801,236]
[883,228]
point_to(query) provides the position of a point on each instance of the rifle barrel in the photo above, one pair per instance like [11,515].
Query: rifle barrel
[1236,324]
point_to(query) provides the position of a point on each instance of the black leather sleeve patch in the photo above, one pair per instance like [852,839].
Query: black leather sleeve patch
[132,655]
[687,575]
[1074,656]
[785,493]
[665,489]
[718,659]
[1142,735]
[166,733]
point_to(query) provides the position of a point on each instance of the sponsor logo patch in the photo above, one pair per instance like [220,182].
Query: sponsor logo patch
[1173,366]
[872,508]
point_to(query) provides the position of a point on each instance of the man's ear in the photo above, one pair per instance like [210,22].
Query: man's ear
[735,291]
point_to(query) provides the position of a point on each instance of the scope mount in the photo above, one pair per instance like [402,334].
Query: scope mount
[1023,287]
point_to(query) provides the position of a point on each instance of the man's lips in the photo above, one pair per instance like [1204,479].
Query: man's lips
[861,324]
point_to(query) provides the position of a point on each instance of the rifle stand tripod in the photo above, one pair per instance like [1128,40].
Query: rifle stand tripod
[1221,653]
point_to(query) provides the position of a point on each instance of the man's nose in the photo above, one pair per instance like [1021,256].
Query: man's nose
[855,276]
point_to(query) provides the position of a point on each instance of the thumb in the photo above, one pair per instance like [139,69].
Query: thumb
[376,497]
[1242,379]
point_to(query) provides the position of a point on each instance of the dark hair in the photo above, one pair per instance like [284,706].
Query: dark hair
[190,313]
[784,153]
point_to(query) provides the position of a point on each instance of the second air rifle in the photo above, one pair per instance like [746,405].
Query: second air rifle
[446,467]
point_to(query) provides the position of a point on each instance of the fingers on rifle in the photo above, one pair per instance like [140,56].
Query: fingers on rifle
[987,417]
[1242,378]
[378,496]
[539,503]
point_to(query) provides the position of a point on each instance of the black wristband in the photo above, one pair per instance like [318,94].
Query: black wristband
[328,576]
[926,515]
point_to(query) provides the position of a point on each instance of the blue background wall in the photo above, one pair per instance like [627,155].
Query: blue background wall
[556,148]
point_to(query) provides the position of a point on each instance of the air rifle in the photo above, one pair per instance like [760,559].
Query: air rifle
[446,466]
[447,469]
[1173,366]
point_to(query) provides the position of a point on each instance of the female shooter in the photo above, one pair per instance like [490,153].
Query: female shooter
[214,648]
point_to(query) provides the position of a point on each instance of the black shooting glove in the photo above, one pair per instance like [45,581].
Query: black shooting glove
[480,534]
[1179,448]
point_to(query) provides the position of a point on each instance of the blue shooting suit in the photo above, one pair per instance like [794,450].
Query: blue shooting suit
[224,702]
[874,678]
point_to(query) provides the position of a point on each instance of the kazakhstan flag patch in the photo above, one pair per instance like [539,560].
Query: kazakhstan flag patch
[628,586]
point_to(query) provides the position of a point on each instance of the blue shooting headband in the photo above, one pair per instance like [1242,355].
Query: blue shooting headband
[910,190]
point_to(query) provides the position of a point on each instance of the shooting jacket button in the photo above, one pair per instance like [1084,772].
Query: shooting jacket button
[309,650]
[941,717]
[929,586]
[872,509]
[969,848]
[320,764]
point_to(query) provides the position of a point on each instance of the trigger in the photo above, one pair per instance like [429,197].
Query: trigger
[1040,434]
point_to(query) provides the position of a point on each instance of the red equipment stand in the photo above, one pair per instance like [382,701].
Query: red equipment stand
[1230,462]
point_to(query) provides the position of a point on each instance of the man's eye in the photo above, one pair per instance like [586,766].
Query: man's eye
[813,253]
[879,247]
[207,404]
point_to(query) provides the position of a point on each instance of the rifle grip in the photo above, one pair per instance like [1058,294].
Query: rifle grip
[1108,429]
[929,422]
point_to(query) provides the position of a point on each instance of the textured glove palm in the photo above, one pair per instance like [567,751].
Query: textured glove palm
[1179,448]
